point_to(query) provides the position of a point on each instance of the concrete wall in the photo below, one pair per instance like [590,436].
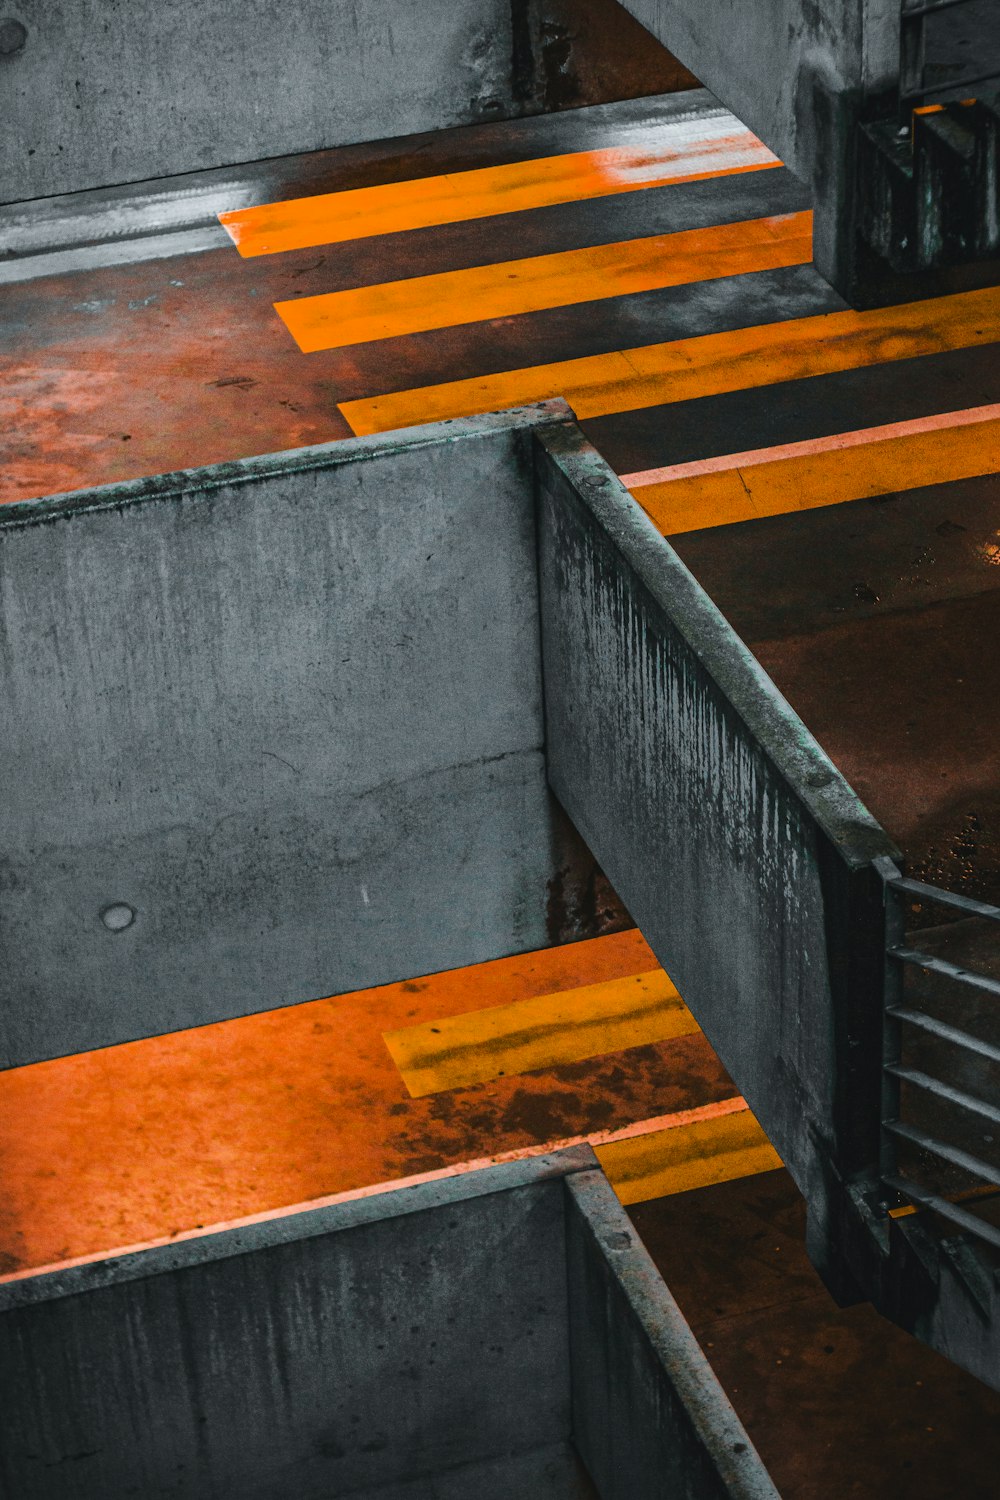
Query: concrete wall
[649,1417]
[740,851]
[800,74]
[98,92]
[316,1355]
[286,711]
[758,59]
[414,1345]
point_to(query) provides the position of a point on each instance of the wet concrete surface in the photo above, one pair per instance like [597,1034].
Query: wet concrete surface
[121,1145]
[838,1402]
[878,621]
[114,371]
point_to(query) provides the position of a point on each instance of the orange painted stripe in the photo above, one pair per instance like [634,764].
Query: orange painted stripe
[821,471]
[121,1145]
[447,299]
[687,151]
[708,365]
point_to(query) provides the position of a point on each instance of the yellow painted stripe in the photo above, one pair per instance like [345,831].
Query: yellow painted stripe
[709,365]
[659,158]
[803,476]
[449,298]
[543,1032]
[688,1156]
[982,1191]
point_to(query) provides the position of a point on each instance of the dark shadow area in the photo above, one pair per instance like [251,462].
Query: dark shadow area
[838,1402]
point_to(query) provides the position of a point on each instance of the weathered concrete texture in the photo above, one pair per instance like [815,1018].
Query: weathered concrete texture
[286,712]
[800,74]
[739,849]
[414,1345]
[336,1362]
[838,1401]
[755,58]
[112,91]
[638,1374]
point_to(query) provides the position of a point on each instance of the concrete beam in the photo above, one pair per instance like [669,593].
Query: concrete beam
[738,847]
[801,76]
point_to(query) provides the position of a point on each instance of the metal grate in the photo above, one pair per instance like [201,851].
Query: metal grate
[948,1102]
[915,58]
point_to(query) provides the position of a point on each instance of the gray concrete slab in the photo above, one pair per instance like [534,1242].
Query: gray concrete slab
[123,89]
[114,91]
[279,734]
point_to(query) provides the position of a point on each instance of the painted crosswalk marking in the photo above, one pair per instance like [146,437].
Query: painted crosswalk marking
[674,152]
[448,299]
[820,471]
[710,1147]
[543,1032]
[707,365]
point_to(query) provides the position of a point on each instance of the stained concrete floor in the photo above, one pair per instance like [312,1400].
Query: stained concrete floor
[878,621]
[838,1402]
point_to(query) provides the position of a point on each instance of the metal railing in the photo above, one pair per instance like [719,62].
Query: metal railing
[904,1011]
[913,85]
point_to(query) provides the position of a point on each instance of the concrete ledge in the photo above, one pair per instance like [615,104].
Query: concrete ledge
[399,1347]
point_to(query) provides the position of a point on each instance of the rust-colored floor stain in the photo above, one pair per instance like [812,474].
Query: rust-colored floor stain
[837,1401]
[115,1147]
[132,379]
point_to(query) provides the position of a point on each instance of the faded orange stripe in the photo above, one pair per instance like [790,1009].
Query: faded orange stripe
[546,1031]
[707,365]
[447,299]
[821,471]
[664,156]
[152,1138]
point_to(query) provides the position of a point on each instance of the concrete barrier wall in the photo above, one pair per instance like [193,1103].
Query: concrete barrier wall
[411,1345]
[760,59]
[739,849]
[284,719]
[98,92]
[649,1417]
[315,1355]
[110,91]
[799,74]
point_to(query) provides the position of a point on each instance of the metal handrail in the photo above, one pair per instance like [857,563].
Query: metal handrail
[900,1012]
[948,1033]
[942,897]
[944,967]
[912,53]
[922,1198]
[954,1154]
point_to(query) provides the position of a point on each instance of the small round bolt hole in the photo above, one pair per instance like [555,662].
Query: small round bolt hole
[118,916]
[12,36]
